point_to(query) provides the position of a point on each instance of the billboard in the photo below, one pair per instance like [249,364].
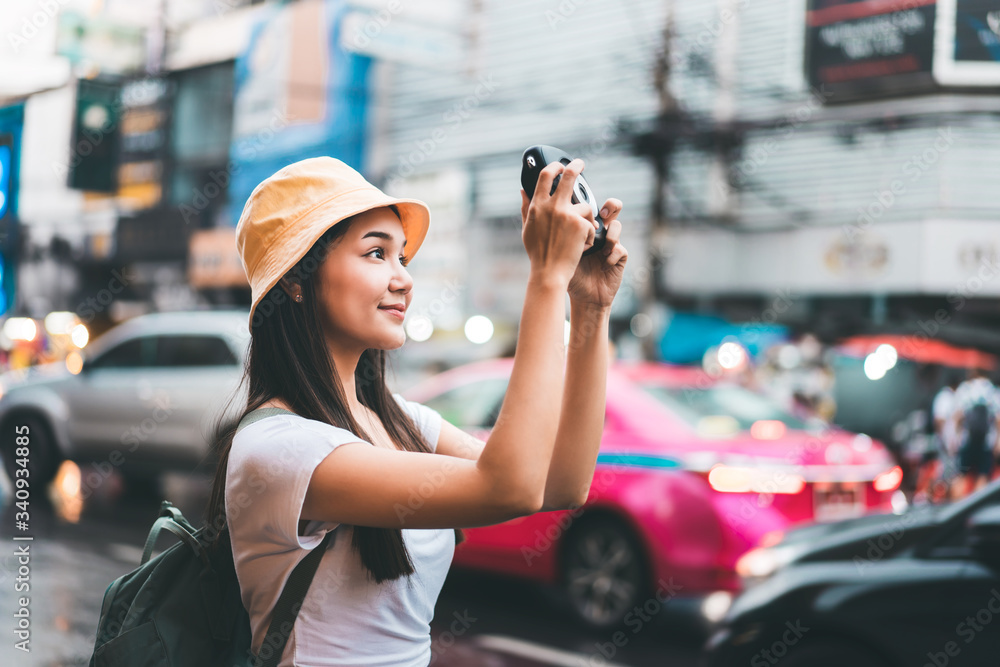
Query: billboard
[857,49]
[863,48]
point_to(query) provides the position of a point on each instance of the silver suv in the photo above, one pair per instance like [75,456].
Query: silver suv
[146,400]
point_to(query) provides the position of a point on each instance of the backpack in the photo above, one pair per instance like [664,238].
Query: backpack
[183,607]
[977,424]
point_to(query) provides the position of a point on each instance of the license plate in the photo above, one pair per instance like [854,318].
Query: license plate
[833,501]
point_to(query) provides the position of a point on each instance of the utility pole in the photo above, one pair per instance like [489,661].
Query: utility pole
[659,146]
[156,44]
[673,123]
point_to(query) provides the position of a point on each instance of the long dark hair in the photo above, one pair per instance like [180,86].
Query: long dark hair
[288,359]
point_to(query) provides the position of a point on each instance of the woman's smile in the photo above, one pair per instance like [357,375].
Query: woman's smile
[396,310]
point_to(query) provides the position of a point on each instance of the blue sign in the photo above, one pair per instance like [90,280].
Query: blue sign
[11,125]
[690,335]
[297,95]
[5,178]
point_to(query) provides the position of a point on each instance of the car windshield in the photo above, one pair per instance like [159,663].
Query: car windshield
[724,409]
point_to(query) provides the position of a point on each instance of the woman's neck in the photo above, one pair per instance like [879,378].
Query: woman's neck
[346,363]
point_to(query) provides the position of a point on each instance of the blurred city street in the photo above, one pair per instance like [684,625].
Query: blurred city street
[799,458]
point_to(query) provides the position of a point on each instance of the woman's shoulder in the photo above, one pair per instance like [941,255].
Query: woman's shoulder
[403,403]
[279,420]
[281,450]
[274,430]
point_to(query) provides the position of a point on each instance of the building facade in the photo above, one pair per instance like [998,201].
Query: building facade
[824,164]
[823,171]
[859,189]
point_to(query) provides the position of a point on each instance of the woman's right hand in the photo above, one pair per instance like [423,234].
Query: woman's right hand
[555,231]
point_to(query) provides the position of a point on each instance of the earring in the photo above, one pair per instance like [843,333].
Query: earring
[298,298]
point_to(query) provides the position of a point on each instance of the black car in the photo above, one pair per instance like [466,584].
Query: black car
[920,589]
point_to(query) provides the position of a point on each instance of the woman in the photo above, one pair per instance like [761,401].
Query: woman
[325,253]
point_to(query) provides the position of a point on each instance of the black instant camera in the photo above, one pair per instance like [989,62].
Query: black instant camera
[535,159]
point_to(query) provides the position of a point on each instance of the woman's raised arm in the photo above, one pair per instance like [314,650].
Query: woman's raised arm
[581,423]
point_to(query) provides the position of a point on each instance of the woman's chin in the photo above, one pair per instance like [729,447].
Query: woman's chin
[391,342]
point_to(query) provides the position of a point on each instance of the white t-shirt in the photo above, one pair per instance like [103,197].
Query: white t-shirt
[345,619]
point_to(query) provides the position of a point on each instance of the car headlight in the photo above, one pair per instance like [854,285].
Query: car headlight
[715,605]
[761,562]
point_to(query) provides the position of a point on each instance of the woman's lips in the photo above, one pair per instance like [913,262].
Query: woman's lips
[396,312]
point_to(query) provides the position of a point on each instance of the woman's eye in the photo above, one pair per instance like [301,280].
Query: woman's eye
[380,254]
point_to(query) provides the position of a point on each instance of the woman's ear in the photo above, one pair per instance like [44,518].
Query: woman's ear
[291,288]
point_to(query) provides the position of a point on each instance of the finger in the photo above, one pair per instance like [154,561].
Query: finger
[564,191]
[544,185]
[591,235]
[612,237]
[618,254]
[614,233]
[585,223]
[525,203]
[612,207]
[585,211]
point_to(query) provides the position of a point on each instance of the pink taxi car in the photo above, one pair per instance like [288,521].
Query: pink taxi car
[692,474]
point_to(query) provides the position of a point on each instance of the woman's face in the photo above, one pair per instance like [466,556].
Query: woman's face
[363,289]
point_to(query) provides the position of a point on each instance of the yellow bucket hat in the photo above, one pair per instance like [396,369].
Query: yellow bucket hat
[289,211]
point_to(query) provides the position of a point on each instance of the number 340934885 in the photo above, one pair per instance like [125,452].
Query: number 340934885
[21,451]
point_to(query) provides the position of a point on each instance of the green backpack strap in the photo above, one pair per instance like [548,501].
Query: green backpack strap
[260,413]
[286,609]
[168,523]
[172,520]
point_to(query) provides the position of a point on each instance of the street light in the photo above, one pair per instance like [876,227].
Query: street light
[478,329]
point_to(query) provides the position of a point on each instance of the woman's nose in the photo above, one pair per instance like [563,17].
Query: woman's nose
[402,281]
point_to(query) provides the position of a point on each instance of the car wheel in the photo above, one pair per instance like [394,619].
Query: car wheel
[828,653]
[43,456]
[604,574]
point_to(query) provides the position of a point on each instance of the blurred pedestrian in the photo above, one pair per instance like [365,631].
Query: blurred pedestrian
[946,439]
[328,448]
[977,419]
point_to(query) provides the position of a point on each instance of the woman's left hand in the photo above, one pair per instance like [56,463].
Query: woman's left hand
[599,275]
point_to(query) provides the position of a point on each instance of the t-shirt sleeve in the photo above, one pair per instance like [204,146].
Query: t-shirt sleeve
[428,420]
[270,465]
